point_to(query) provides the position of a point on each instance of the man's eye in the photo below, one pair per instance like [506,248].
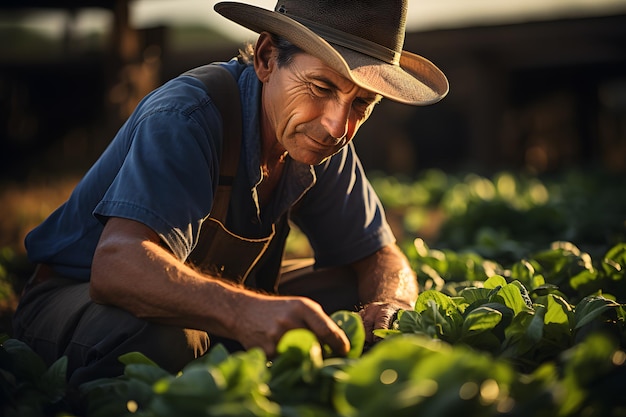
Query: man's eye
[361,104]
[319,90]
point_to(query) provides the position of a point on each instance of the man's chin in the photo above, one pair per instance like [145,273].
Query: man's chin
[312,158]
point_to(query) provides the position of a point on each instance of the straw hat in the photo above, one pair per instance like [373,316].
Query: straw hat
[360,39]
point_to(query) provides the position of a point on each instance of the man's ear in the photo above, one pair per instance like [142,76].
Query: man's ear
[264,53]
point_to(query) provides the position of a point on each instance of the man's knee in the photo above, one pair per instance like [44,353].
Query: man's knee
[57,318]
[169,347]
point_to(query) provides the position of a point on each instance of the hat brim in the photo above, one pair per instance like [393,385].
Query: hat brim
[415,81]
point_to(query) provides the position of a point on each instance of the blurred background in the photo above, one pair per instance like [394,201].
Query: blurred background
[537,90]
[537,85]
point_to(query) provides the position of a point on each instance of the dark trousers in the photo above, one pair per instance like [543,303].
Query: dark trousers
[57,318]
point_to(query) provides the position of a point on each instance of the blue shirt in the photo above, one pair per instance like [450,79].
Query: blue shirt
[162,167]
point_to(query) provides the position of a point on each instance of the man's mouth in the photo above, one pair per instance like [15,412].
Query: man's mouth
[328,142]
[320,144]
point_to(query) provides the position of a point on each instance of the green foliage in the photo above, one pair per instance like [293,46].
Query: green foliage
[218,384]
[563,269]
[513,320]
[507,216]
[407,376]
[27,386]
[494,348]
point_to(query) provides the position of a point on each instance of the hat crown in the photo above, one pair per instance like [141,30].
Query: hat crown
[361,40]
[379,21]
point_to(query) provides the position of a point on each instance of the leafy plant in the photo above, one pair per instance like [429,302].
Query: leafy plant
[540,338]
[27,386]
[508,215]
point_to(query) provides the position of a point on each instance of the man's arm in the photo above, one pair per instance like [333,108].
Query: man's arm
[386,283]
[132,271]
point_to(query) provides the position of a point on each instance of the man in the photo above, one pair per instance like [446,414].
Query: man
[138,259]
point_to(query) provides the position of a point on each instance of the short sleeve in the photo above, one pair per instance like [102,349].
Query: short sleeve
[168,174]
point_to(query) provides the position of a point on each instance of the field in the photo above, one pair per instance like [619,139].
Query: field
[22,207]
[521,313]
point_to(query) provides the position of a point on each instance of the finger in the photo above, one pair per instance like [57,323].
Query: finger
[368,316]
[329,333]
[384,316]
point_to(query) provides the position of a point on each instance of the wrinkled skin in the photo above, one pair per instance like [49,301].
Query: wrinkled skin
[377,315]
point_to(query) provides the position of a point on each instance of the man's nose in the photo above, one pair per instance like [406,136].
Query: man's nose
[336,119]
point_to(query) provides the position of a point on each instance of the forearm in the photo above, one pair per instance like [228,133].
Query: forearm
[132,271]
[148,281]
[386,276]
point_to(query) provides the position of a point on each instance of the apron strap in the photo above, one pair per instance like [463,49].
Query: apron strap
[224,91]
[262,258]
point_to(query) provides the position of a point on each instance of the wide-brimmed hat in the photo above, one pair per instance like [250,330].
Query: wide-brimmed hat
[360,39]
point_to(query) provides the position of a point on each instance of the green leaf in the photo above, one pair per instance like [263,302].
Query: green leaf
[523,334]
[216,355]
[617,254]
[53,381]
[246,373]
[562,261]
[558,310]
[591,308]
[410,322]
[146,373]
[512,298]
[534,331]
[443,301]
[385,333]
[200,382]
[136,357]
[523,271]
[440,315]
[558,317]
[524,293]
[585,279]
[300,357]
[352,324]
[25,363]
[495,282]
[302,341]
[473,294]
[480,320]
[436,324]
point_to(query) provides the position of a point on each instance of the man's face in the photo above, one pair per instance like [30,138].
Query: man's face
[313,110]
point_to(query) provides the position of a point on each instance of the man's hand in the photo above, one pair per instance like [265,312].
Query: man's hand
[386,284]
[377,315]
[265,319]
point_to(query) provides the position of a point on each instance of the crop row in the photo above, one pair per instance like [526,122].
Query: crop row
[506,216]
[544,337]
